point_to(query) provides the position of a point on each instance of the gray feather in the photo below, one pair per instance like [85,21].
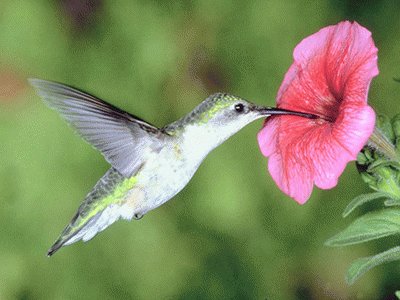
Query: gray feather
[121,137]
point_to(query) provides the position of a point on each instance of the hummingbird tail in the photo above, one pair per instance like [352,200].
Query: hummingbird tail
[81,229]
[104,205]
[57,245]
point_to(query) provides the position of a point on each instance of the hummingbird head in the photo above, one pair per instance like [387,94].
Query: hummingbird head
[225,110]
[222,115]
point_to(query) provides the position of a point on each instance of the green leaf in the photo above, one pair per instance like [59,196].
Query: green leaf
[371,226]
[380,163]
[397,293]
[359,200]
[362,265]
[392,202]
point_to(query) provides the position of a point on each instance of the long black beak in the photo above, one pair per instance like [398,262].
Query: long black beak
[269,111]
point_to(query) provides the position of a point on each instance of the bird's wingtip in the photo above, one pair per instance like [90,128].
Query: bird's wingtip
[39,83]
[33,81]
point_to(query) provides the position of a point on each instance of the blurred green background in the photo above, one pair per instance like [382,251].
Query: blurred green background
[230,234]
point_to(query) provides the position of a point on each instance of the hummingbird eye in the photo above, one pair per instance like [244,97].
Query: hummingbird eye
[239,107]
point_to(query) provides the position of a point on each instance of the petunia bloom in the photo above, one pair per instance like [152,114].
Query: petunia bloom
[330,77]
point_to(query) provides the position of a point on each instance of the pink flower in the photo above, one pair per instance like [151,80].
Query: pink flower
[330,77]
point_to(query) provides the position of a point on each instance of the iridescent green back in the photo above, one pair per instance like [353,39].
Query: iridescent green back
[203,112]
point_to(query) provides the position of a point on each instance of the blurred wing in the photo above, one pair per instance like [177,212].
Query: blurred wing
[122,138]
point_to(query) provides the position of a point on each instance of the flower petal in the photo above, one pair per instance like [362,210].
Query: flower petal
[287,164]
[337,63]
[330,76]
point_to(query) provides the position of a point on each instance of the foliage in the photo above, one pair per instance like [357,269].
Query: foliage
[382,173]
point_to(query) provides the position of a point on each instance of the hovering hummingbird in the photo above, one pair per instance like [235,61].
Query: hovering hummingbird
[149,165]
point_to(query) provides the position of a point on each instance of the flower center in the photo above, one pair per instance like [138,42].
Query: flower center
[328,108]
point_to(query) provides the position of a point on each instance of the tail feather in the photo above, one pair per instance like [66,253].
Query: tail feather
[104,205]
[87,231]
[64,236]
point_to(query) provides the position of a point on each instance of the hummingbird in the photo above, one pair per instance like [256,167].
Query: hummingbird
[149,165]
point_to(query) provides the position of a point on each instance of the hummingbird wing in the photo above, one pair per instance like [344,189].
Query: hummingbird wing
[122,138]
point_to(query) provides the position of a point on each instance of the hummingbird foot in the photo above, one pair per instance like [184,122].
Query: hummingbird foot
[138,216]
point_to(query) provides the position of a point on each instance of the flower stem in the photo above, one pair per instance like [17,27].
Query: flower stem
[381,143]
